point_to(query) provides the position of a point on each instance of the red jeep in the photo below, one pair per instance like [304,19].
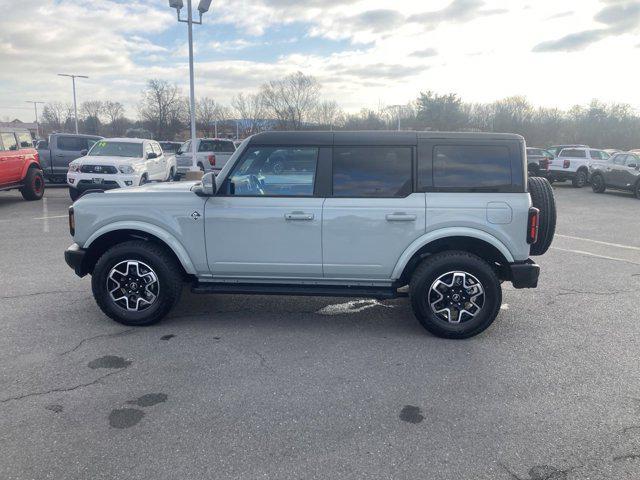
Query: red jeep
[19,164]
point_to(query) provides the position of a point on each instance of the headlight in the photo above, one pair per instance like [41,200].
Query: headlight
[126,169]
[74,167]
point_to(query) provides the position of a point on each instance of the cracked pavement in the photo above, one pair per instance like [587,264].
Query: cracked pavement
[274,387]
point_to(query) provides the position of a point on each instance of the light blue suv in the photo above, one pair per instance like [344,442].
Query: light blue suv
[358,214]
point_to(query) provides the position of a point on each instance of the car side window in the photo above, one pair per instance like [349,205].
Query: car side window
[207,146]
[186,147]
[275,171]
[619,159]
[156,148]
[632,160]
[382,172]
[9,141]
[471,166]
[25,140]
[148,149]
[72,144]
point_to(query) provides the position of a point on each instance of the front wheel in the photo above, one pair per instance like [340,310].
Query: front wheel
[74,194]
[597,183]
[455,294]
[33,188]
[136,283]
[580,180]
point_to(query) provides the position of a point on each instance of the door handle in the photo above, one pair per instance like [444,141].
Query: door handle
[60,155]
[298,216]
[401,217]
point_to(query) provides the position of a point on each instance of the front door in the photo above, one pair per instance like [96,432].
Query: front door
[266,221]
[616,176]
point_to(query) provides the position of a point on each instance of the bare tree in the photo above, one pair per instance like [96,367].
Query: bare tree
[56,115]
[291,101]
[92,111]
[329,114]
[208,114]
[162,108]
[249,109]
[114,113]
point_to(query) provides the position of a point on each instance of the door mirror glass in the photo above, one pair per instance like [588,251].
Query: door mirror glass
[633,165]
[83,152]
[209,184]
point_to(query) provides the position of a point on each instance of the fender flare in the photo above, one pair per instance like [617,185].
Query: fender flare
[448,232]
[171,241]
[30,163]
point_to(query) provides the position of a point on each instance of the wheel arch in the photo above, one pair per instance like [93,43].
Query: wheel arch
[469,240]
[108,236]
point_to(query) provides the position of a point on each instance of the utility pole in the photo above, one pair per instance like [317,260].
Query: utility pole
[75,103]
[35,108]
[203,7]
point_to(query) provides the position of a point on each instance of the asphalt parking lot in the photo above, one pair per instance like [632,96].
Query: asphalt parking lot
[289,387]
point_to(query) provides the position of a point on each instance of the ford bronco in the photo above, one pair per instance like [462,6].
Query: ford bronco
[444,218]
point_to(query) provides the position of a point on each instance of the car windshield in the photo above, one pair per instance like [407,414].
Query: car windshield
[104,148]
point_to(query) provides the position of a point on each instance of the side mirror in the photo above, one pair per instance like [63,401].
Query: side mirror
[633,165]
[209,186]
[83,152]
[152,155]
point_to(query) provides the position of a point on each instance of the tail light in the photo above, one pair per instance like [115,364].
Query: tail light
[532,225]
[212,160]
[544,164]
[566,164]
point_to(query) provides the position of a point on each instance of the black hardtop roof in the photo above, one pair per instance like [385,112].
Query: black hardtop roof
[371,137]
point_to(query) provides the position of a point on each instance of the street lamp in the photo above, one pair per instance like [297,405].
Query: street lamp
[399,107]
[35,108]
[75,105]
[203,7]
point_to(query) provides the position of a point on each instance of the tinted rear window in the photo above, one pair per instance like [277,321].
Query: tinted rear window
[72,144]
[371,171]
[207,146]
[467,166]
[573,153]
[225,147]
[534,151]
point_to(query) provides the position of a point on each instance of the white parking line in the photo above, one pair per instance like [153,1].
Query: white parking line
[45,213]
[599,242]
[49,217]
[582,252]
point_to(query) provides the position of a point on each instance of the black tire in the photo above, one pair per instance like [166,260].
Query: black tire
[636,190]
[440,264]
[171,176]
[74,194]
[160,261]
[580,180]
[33,188]
[144,179]
[598,184]
[542,198]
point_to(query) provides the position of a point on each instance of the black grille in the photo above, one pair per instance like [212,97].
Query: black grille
[108,169]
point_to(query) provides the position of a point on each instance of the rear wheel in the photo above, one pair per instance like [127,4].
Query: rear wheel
[144,179]
[136,283]
[542,198]
[455,294]
[580,180]
[171,176]
[33,188]
[597,183]
[636,190]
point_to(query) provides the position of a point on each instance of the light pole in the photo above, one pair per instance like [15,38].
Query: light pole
[399,107]
[75,104]
[203,7]
[35,108]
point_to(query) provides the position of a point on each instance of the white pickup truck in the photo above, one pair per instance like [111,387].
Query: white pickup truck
[211,154]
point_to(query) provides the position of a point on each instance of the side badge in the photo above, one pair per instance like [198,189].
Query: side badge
[195,215]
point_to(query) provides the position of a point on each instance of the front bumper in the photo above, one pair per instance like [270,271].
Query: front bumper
[87,181]
[524,274]
[74,256]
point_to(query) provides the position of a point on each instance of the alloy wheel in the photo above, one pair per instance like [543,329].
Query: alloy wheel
[456,297]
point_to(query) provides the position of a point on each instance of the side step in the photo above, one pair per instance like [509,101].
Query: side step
[304,290]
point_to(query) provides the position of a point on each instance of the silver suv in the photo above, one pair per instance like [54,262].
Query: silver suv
[359,214]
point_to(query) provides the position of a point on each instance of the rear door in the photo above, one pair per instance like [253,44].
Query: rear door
[616,174]
[11,159]
[629,174]
[372,214]
[67,149]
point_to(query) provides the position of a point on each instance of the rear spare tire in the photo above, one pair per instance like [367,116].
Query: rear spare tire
[542,198]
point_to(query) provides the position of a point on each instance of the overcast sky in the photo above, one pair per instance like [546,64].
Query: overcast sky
[364,52]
